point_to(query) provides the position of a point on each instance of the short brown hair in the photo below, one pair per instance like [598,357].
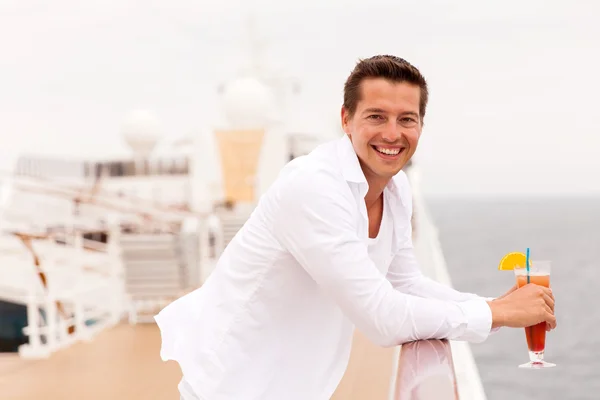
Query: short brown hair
[388,67]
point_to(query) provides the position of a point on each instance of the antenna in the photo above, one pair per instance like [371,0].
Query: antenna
[256,47]
[281,84]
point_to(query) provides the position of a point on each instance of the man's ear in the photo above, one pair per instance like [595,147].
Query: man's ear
[345,116]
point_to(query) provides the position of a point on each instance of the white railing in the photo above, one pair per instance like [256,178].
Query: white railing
[82,294]
[431,258]
[425,371]
[88,286]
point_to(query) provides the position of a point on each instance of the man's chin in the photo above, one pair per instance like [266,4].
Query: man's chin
[388,173]
[385,170]
[391,170]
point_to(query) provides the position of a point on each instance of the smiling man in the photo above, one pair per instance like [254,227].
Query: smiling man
[327,250]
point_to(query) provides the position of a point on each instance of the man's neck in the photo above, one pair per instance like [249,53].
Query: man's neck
[376,187]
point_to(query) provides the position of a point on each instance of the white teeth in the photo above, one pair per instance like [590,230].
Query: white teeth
[389,152]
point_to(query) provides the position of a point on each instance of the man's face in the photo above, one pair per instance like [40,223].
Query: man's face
[386,126]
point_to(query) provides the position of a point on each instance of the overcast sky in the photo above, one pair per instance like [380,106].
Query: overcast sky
[514,84]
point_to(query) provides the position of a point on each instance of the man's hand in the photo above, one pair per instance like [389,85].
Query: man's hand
[523,307]
[512,289]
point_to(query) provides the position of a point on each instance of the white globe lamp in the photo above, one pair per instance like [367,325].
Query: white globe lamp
[247,104]
[141,130]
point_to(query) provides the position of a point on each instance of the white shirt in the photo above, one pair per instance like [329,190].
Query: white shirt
[275,319]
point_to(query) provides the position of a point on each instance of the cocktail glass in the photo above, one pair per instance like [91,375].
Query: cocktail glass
[539,274]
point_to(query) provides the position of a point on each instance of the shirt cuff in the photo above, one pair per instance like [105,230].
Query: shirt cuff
[479,320]
[494,330]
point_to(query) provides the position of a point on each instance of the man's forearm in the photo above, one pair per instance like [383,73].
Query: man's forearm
[428,288]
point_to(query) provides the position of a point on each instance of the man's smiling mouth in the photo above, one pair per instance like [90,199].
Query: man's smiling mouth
[389,150]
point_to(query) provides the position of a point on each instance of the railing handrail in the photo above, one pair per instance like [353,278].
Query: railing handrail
[425,371]
[102,198]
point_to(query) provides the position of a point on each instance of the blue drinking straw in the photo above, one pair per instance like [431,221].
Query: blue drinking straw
[527,264]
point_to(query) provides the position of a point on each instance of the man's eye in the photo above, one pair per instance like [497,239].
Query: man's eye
[408,121]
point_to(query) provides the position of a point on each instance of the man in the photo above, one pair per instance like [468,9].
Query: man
[328,249]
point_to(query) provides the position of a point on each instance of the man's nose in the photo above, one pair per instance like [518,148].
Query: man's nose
[391,133]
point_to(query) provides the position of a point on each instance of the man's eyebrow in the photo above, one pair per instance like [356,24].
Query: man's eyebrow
[379,110]
[412,113]
[373,110]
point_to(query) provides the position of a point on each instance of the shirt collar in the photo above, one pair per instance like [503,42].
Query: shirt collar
[352,171]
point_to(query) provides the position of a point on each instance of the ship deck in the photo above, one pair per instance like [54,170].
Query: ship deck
[120,363]
[123,363]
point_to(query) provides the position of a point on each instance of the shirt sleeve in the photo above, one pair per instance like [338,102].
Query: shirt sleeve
[405,275]
[315,219]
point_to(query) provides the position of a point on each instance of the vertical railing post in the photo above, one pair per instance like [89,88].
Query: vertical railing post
[204,248]
[53,336]
[81,331]
[33,322]
[217,230]
[116,279]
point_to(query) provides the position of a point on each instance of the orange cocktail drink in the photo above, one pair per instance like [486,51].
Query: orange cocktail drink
[536,335]
[538,274]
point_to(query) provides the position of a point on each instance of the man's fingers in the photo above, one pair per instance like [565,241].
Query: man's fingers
[548,291]
[549,301]
[550,318]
